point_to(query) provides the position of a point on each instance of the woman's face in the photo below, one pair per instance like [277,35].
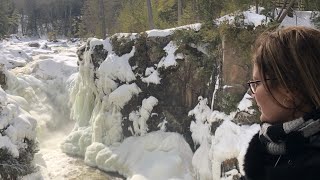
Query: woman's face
[271,111]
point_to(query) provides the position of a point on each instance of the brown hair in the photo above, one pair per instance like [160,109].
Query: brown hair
[292,57]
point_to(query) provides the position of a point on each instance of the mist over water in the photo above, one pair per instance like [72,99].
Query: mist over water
[57,165]
[42,88]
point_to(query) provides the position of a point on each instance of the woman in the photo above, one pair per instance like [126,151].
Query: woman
[286,87]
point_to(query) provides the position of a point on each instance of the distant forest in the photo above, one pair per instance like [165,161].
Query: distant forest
[84,18]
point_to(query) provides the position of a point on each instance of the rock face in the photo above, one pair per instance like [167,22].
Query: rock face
[34,44]
[130,86]
[3,78]
[236,71]
[230,165]
[180,83]
[174,73]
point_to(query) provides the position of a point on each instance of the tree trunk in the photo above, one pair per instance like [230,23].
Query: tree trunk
[287,10]
[179,11]
[257,6]
[22,22]
[65,26]
[283,7]
[35,24]
[150,15]
[103,19]
[196,5]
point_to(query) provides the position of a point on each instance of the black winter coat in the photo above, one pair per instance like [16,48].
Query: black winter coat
[302,162]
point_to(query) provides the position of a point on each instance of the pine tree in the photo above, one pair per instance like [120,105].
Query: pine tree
[208,10]
[3,20]
[94,17]
[13,167]
[103,19]
[39,17]
[132,17]
[179,11]
[8,18]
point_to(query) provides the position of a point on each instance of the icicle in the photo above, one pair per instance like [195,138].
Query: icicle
[216,87]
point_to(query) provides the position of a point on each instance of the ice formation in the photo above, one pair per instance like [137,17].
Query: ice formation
[229,141]
[97,135]
[16,123]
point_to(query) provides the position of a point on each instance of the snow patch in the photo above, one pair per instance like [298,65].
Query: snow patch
[152,78]
[170,59]
[123,94]
[157,155]
[230,141]
[140,118]
[167,32]
[245,104]
[117,68]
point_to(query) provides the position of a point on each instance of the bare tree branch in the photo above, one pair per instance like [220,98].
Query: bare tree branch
[283,15]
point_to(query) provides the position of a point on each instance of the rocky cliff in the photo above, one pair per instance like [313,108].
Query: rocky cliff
[130,85]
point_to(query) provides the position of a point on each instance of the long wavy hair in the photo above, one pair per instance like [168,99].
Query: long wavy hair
[291,56]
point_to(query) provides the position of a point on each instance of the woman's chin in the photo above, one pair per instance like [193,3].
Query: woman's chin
[263,118]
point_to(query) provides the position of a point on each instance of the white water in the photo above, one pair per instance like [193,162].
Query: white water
[59,166]
[43,83]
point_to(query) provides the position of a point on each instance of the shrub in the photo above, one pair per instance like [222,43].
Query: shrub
[14,167]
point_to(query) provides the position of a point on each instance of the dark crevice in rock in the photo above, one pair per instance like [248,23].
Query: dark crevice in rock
[98,56]
[180,87]
[121,46]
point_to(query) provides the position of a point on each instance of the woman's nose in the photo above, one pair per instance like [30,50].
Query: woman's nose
[250,93]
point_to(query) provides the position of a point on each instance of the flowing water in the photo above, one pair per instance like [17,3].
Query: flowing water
[59,166]
[53,164]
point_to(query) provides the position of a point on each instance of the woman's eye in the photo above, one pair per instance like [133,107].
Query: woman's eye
[256,84]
